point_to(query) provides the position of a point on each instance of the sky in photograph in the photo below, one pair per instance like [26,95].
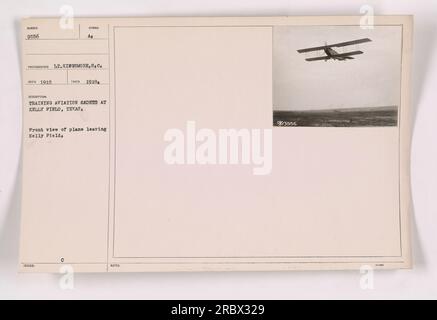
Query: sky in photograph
[370,80]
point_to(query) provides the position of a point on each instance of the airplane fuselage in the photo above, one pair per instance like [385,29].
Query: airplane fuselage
[331,53]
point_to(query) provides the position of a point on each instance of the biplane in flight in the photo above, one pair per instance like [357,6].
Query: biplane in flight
[334,55]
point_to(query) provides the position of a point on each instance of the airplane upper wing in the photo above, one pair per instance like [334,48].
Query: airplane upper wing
[349,43]
[340,44]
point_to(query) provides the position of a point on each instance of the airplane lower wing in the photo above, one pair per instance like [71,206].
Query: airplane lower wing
[318,58]
[347,54]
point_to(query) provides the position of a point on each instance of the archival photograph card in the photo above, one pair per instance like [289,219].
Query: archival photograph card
[215,144]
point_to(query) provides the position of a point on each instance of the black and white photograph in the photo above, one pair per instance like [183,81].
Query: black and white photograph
[336,76]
